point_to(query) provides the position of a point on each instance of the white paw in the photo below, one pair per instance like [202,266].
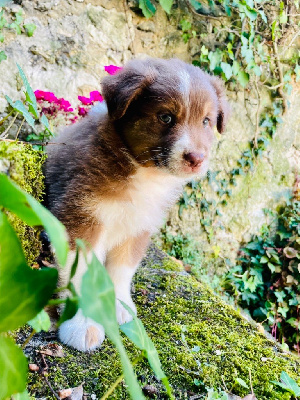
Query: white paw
[123,315]
[81,333]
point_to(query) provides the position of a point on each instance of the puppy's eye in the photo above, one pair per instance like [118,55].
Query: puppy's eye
[206,121]
[165,118]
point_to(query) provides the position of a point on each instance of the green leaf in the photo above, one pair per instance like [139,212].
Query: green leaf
[20,107]
[30,28]
[21,396]
[13,367]
[215,57]
[98,301]
[24,291]
[242,382]
[136,332]
[227,69]
[41,322]
[166,5]
[3,56]
[147,8]
[243,78]
[30,96]
[196,4]
[263,16]
[251,13]
[70,309]
[288,383]
[45,122]
[264,260]
[34,214]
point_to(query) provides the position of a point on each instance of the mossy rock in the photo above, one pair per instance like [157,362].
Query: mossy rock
[202,342]
[23,165]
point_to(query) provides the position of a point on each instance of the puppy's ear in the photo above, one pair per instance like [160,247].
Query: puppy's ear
[224,107]
[121,89]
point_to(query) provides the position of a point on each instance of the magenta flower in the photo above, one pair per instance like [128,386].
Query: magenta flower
[45,96]
[82,111]
[96,96]
[112,69]
[85,100]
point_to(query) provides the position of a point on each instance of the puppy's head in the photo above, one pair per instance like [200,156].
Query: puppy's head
[165,111]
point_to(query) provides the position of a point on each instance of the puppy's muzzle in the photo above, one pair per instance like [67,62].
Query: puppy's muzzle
[193,159]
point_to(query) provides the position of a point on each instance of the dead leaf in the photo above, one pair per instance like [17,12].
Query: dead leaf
[53,350]
[72,393]
[33,367]
[64,393]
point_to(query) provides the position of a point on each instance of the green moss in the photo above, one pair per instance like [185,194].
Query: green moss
[24,167]
[199,339]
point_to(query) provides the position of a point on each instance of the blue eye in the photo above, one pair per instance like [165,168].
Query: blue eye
[205,121]
[165,118]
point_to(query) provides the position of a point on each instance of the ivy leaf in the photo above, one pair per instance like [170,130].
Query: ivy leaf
[215,57]
[31,290]
[166,5]
[3,56]
[136,332]
[227,69]
[41,322]
[251,13]
[13,367]
[98,301]
[20,107]
[30,28]
[34,214]
[288,383]
[147,8]
[30,96]
[243,78]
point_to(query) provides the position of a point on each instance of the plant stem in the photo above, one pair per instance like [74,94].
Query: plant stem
[28,339]
[5,118]
[55,302]
[20,128]
[9,126]
[120,378]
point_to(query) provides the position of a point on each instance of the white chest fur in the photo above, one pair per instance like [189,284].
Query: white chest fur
[142,208]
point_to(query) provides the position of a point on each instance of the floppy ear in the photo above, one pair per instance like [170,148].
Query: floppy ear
[121,89]
[224,107]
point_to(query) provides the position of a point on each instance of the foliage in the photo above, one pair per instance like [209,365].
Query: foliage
[266,279]
[25,291]
[288,383]
[13,22]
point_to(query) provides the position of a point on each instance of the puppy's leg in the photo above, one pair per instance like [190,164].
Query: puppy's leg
[80,332]
[121,264]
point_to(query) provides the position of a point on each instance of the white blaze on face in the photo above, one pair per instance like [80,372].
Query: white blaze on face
[184,86]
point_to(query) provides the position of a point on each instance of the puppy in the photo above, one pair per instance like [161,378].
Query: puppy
[125,164]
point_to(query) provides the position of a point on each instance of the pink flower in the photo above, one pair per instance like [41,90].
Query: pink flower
[85,100]
[112,69]
[95,96]
[45,96]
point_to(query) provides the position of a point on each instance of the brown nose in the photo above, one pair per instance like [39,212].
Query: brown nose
[194,159]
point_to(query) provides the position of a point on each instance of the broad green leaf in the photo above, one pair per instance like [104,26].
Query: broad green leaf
[243,78]
[264,260]
[41,322]
[30,28]
[166,5]
[235,67]
[196,4]
[288,383]
[215,57]
[30,96]
[147,8]
[13,367]
[136,332]
[251,13]
[3,56]
[20,107]
[98,301]
[227,69]
[21,396]
[24,291]
[34,214]
[70,309]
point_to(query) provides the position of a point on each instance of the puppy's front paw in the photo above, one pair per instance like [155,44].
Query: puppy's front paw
[123,315]
[81,333]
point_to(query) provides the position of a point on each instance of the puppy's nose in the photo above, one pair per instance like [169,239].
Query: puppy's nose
[194,159]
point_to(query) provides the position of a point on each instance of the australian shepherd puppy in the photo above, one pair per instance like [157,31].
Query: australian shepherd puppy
[120,168]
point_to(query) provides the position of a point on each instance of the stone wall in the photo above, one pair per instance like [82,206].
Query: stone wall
[75,39]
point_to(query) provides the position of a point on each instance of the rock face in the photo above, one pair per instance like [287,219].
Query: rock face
[75,39]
